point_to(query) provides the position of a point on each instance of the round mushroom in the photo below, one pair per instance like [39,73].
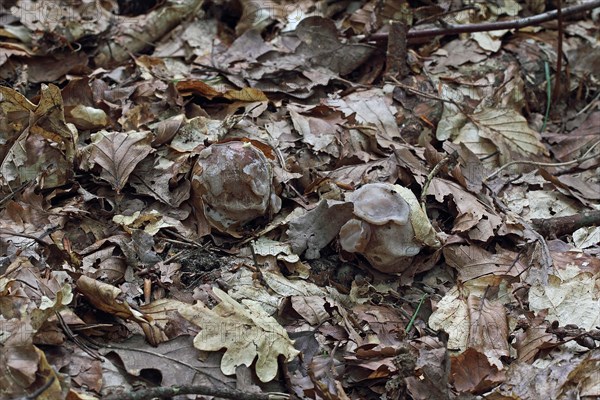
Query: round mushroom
[233,185]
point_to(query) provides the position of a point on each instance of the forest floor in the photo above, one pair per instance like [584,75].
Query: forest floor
[299,199]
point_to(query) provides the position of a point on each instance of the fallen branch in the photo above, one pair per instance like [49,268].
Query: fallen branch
[164,392]
[558,226]
[137,33]
[494,26]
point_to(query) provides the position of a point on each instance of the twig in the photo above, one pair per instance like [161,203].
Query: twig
[449,159]
[74,338]
[548,94]
[494,26]
[589,105]
[13,193]
[184,241]
[579,160]
[559,53]
[300,195]
[41,390]
[426,95]
[176,256]
[165,392]
[6,232]
[558,226]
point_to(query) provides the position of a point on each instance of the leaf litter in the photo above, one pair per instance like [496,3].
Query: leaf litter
[187,205]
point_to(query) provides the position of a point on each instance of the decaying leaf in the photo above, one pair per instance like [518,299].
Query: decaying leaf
[315,229]
[246,332]
[570,296]
[118,153]
[177,361]
[473,321]
[507,130]
[37,143]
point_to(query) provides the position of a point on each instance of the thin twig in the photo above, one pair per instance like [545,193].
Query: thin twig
[184,241]
[6,232]
[589,105]
[175,256]
[13,193]
[586,156]
[74,338]
[449,159]
[548,94]
[41,390]
[426,95]
[494,26]
[559,53]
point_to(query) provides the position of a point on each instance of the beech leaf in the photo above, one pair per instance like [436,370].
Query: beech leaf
[118,153]
[509,131]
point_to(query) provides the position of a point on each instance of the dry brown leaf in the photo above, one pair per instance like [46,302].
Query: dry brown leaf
[509,132]
[488,329]
[39,144]
[471,210]
[471,372]
[471,262]
[106,298]
[176,360]
[557,377]
[247,332]
[533,339]
[118,153]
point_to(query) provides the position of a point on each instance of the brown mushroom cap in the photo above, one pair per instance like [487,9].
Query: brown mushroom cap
[382,230]
[355,235]
[235,184]
[379,203]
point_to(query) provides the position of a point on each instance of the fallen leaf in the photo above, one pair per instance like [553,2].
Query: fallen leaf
[246,332]
[118,153]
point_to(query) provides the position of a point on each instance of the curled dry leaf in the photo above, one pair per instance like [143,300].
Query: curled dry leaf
[106,297]
[233,185]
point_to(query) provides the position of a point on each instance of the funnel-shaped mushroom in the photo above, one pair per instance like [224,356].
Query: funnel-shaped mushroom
[383,230]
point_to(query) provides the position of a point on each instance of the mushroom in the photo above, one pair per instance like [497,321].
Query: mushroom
[389,229]
[233,185]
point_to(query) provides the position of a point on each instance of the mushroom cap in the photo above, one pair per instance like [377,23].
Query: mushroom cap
[379,203]
[355,235]
[234,180]
[382,230]
[391,247]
